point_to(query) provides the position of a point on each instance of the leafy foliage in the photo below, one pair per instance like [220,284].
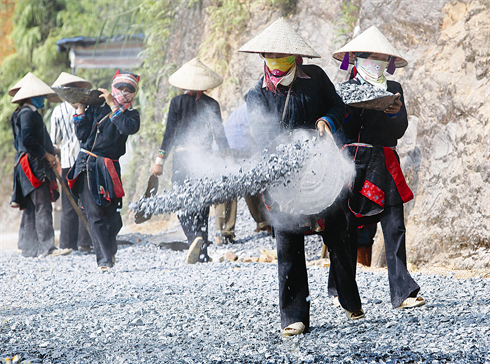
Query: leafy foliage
[37,25]
[346,21]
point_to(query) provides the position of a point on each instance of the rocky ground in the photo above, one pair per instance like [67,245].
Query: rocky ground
[154,308]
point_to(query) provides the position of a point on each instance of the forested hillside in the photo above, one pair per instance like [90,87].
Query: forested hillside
[445,152]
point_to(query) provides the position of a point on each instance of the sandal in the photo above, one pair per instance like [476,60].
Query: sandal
[354,315]
[194,251]
[103,269]
[294,329]
[412,302]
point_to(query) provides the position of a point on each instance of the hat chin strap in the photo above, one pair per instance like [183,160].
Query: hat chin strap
[391,66]
[345,62]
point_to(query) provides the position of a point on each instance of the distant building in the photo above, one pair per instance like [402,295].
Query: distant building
[121,51]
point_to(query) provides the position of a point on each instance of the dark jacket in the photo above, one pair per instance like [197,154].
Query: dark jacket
[378,128]
[310,99]
[379,180]
[105,138]
[194,122]
[32,141]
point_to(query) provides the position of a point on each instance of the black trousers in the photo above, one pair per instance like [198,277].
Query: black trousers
[294,302]
[366,235]
[72,231]
[401,282]
[36,234]
[195,225]
[104,223]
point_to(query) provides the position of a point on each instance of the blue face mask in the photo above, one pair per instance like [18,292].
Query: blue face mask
[38,101]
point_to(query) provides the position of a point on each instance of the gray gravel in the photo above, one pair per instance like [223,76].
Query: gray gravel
[352,93]
[251,176]
[154,308]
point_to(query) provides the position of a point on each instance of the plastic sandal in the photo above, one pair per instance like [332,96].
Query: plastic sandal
[412,302]
[354,315]
[195,251]
[294,329]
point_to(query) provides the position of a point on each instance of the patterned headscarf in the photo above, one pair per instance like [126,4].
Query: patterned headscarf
[124,99]
[279,71]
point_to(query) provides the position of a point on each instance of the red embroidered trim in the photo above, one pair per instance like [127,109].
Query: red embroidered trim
[118,188]
[394,169]
[373,193]
[53,186]
[71,182]
[24,162]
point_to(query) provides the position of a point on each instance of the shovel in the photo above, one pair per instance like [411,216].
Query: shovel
[151,189]
[70,198]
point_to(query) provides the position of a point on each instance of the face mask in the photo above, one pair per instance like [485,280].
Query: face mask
[38,101]
[280,66]
[371,67]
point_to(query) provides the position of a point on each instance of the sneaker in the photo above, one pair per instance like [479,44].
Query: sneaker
[229,239]
[57,252]
[194,250]
[205,258]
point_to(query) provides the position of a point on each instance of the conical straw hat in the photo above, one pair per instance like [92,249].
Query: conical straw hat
[279,37]
[33,87]
[195,76]
[13,90]
[372,41]
[65,78]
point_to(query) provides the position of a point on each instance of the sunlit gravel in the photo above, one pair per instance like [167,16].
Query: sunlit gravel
[154,308]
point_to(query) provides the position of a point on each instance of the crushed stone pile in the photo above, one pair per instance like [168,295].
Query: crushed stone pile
[354,93]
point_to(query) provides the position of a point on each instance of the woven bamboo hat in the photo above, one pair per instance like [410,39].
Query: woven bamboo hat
[13,90]
[279,37]
[32,87]
[196,76]
[372,41]
[65,79]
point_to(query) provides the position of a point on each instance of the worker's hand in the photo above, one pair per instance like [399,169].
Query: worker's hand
[323,128]
[80,108]
[108,97]
[57,151]
[395,107]
[51,159]
[157,169]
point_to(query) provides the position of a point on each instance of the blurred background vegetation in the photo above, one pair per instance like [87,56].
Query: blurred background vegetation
[30,28]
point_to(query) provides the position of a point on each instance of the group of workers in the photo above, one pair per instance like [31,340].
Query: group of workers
[289,95]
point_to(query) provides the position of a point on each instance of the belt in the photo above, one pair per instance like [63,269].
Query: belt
[363,145]
[94,155]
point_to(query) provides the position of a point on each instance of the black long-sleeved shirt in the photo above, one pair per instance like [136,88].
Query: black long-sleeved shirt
[311,98]
[194,122]
[31,138]
[112,133]
[376,127]
[30,134]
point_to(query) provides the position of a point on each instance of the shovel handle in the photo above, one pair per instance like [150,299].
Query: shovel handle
[70,198]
